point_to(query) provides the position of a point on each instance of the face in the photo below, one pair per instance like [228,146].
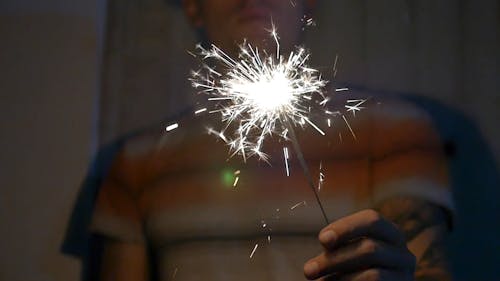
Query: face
[227,23]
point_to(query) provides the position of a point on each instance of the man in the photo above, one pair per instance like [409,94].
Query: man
[387,191]
[379,252]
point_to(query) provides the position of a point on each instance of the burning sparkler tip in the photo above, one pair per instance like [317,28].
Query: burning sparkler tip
[259,94]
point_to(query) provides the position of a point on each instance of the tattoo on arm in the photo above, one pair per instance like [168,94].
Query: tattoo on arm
[414,216]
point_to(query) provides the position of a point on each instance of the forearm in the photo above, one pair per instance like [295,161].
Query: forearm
[433,265]
[425,227]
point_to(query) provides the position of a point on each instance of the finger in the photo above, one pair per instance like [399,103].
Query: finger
[366,223]
[359,255]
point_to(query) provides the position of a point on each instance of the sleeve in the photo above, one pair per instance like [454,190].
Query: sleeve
[77,238]
[117,214]
[409,158]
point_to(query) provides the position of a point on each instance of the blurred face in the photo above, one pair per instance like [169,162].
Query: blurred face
[227,23]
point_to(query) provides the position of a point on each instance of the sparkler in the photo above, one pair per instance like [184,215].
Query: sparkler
[263,94]
[259,95]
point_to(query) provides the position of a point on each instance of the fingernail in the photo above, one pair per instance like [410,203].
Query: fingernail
[311,268]
[327,236]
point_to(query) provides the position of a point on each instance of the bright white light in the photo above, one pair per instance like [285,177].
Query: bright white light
[272,94]
[172,127]
[260,94]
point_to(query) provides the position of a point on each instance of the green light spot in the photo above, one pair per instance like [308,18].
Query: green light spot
[227,177]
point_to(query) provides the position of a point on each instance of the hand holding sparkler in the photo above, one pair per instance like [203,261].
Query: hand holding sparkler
[362,246]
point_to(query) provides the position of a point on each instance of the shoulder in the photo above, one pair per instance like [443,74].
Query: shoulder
[384,124]
[174,145]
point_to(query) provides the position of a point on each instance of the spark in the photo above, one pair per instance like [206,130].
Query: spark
[314,126]
[324,102]
[172,127]
[236,181]
[254,249]
[308,22]
[263,223]
[219,134]
[269,230]
[333,113]
[349,126]
[303,203]
[335,65]
[277,216]
[258,95]
[286,156]
[200,111]
[356,107]
[341,89]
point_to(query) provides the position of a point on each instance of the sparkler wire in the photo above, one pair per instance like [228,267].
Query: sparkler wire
[305,169]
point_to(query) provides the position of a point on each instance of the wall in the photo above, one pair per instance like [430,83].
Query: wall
[48,83]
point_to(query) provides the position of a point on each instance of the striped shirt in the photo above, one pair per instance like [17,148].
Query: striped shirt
[213,217]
